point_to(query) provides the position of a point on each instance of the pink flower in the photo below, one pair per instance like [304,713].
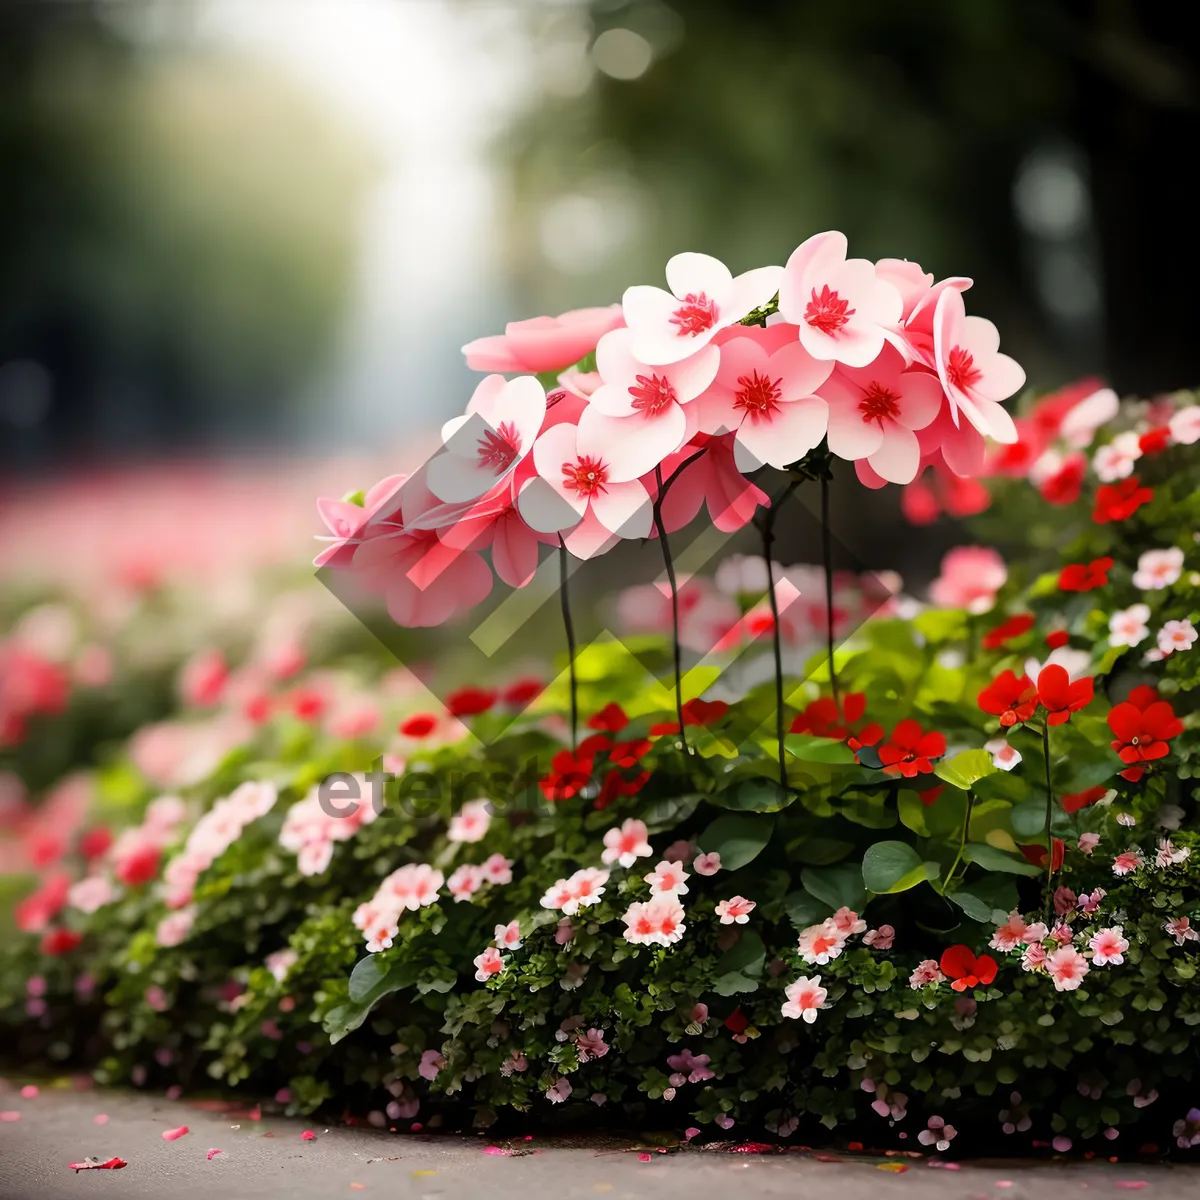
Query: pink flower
[704,299]
[345,520]
[1067,967]
[938,1134]
[805,997]
[691,1068]
[735,911]
[667,878]
[926,973]
[971,576]
[591,1045]
[1158,569]
[638,415]
[1116,460]
[487,964]
[658,921]
[1127,862]
[574,490]
[489,441]
[465,882]
[471,822]
[91,893]
[1065,901]
[203,677]
[508,937]
[1185,426]
[1088,842]
[626,844]
[542,344]
[880,939]
[707,864]
[581,890]
[497,870]
[381,934]
[765,394]
[557,1092]
[1176,635]
[280,962]
[1108,946]
[975,375]
[174,928]
[842,307]
[1127,626]
[848,921]
[1011,934]
[431,1063]
[1061,934]
[1034,958]
[1089,414]
[1180,928]
[1003,755]
[1168,856]
[1089,902]
[821,943]
[873,411]
[713,480]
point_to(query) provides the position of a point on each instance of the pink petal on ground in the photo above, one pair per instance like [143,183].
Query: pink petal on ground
[1132,1185]
[501,1151]
[308,1136]
[100,1119]
[643,1158]
[29,1091]
[691,1133]
[173,1135]
[213,1154]
[10,1115]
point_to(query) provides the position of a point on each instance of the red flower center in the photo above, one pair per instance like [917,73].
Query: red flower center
[652,394]
[879,404]
[498,448]
[827,312]
[961,369]
[696,314]
[586,475]
[757,395]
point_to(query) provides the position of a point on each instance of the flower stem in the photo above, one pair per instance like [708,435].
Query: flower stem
[827,560]
[569,627]
[669,563]
[1049,822]
[962,841]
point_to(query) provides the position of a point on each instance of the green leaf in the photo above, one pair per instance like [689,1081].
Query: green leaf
[1029,819]
[739,839]
[870,809]
[819,851]
[753,795]
[836,886]
[966,769]
[817,749]
[804,909]
[912,812]
[741,966]
[975,908]
[892,867]
[992,859]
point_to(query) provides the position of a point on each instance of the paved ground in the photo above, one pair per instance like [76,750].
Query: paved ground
[268,1157]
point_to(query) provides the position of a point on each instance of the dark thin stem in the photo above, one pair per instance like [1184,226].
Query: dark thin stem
[569,626]
[768,540]
[962,841]
[827,559]
[1049,823]
[669,563]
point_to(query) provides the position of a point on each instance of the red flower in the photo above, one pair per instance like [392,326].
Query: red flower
[822,718]
[1064,486]
[1085,577]
[1119,501]
[470,701]
[569,774]
[420,725]
[522,692]
[95,842]
[695,712]
[1037,854]
[908,751]
[1007,630]
[1077,800]
[60,941]
[1056,638]
[1155,441]
[629,754]
[960,965]
[616,785]
[930,795]
[1011,699]
[1059,696]
[868,735]
[139,867]
[737,1021]
[308,704]
[1142,696]
[611,719]
[1142,729]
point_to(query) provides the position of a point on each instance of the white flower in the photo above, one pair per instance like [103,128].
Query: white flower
[1158,569]
[1003,755]
[1127,626]
[471,822]
[1185,426]
[625,845]
[1115,461]
[668,878]
[1176,635]
[805,997]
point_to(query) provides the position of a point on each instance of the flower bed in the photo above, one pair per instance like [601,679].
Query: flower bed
[934,890]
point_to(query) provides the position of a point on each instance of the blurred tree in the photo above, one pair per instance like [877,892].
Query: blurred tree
[177,233]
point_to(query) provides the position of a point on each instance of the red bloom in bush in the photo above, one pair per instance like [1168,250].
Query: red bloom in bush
[695,712]
[1064,486]
[308,704]
[1037,854]
[522,692]
[909,749]
[629,754]
[141,866]
[1011,699]
[95,842]
[1059,696]
[420,725]
[822,717]
[611,719]
[737,1021]
[1077,800]
[1056,638]
[1155,441]
[1142,727]
[964,970]
[1119,501]
[1085,577]
[569,774]
[930,795]
[1007,630]
[35,912]
[470,701]
[60,941]
[616,785]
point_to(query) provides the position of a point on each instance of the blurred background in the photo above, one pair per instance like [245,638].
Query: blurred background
[241,241]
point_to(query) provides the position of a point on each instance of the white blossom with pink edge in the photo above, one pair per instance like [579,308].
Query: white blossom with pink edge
[1127,626]
[658,921]
[1067,968]
[1108,946]
[668,878]
[1185,426]
[1115,461]
[640,414]
[627,843]
[805,998]
[1176,635]
[488,964]
[975,375]
[704,299]
[842,307]
[488,442]
[735,911]
[508,937]
[875,410]
[1158,569]
[822,943]
[471,822]
[765,393]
